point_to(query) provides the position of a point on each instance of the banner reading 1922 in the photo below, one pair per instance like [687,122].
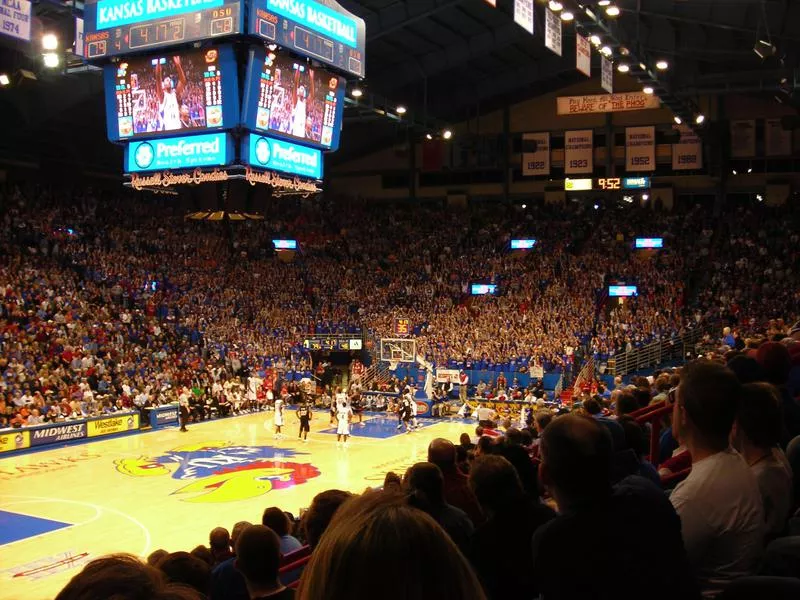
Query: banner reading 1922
[538,162]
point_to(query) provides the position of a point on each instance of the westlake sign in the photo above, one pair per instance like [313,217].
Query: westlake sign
[605,103]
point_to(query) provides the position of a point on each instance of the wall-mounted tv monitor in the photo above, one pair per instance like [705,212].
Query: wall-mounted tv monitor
[193,90]
[649,242]
[622,291]
[522,244]
[285,244]
[482,289]
[284,96]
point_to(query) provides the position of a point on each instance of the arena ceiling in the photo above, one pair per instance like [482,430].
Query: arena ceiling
[446,60]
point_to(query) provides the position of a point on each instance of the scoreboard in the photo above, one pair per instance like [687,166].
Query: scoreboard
[606,184]
[321,30]
[117,27]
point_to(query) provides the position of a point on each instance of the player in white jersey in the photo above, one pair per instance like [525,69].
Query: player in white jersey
[169,97]
[278,421]
[343,415]
[300,98]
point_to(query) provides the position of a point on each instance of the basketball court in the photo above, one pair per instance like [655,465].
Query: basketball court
[166,489]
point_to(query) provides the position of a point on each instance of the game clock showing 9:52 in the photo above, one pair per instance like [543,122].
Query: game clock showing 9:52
[609,183]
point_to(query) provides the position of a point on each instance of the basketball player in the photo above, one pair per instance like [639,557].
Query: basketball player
[278,417]
[300,97]
[343,415]
[357,405]
[304,414]
[169,97]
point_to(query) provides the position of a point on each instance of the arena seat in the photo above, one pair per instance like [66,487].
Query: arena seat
[653,414]
[292,557]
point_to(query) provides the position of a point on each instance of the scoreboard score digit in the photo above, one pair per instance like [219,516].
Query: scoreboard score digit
[115,27]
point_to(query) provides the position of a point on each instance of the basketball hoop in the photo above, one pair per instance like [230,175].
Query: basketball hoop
[392,366]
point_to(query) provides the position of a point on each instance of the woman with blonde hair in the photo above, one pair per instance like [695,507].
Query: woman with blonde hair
[377,529]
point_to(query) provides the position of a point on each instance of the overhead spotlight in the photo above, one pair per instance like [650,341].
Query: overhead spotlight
[447,134]
[356,93]
[624,51]
[596,206]
[595,39]
[51,60]
[606,51]
[49,41]
[604,3]
[764,49]
[555,6]
[647,90]
[428,136]
[643,66]
[567,16]
[612,11]
[662,65]
[524,206]
[645,196]
[733,171]
[750,170]
[401,110]
[4,80]
[759,197]
[623,68]
[700,118]
[678,120]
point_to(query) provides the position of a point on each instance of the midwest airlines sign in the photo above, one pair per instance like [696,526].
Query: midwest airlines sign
[185,152]
[267,153]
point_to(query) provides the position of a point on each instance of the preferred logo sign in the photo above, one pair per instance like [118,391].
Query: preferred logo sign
[264,152]
[185,152]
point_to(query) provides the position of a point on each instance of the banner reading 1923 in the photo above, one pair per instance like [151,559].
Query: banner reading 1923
[578,151]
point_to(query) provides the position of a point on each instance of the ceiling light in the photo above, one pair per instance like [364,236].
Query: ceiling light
[606,51]
[596,206]
[401,110]
[643,66]
[4,80]
[759,197]
[612,11]
[595,39]
[51,60]
[645,196]
[356,93]
[678,120]
[567,16]
[49,41]
[733,171]
[750,170]
[428,136]
[555,6]
[623,68]
[604,3]
[700,118]
[524,206]
[662,65]
[647,89]
[624,51]
[447,134]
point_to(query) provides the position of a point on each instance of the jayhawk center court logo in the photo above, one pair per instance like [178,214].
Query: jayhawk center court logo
[222,472]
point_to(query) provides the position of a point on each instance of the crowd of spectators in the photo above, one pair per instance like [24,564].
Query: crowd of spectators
[507,513]
[109,304]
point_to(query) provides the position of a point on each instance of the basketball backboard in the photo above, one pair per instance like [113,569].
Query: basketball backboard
[398,350]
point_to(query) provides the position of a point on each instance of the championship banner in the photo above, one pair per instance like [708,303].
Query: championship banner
[583,55]
[447,375]
[116,424]
[606,75]
[61,432]
[687,154]
[79,49]
[579,151]
[743,139]
[15,19]
[18,439]
[640,148]
[604,103]
[523,14]
[552,31]
[777,140]
[536,163]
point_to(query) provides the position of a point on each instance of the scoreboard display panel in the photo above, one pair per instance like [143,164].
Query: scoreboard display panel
[320,29]
[114,27]
[174,93]
[288,98]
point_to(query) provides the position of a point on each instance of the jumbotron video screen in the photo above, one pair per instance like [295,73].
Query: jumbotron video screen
[173,92]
